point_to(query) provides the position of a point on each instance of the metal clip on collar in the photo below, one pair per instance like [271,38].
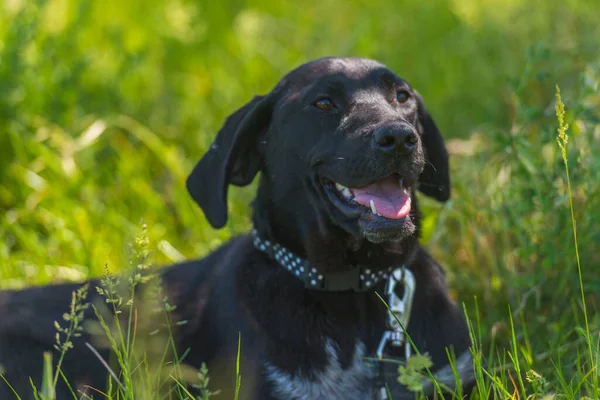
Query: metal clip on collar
[399,311]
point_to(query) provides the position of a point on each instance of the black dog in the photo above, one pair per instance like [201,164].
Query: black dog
[342,145]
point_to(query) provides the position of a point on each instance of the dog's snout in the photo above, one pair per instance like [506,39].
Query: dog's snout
[398,138]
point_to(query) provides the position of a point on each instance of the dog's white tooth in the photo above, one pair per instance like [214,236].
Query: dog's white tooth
[340,188]
[347,193]
[373,209]
[405,191]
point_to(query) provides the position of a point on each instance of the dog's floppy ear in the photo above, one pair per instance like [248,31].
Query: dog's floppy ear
[435,178]
[233,158]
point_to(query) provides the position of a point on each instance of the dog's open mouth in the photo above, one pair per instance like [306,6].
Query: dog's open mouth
[388,198]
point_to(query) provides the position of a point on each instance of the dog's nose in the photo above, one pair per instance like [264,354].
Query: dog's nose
[395,138]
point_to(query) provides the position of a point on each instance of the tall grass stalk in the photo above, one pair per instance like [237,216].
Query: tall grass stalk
[563,140]
[238,376]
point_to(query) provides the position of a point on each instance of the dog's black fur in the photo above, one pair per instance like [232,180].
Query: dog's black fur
[322,124]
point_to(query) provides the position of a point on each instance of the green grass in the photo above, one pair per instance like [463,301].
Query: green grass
[106,105]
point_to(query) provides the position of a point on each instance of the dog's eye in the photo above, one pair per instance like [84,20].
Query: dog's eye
[324,103]
[402,96]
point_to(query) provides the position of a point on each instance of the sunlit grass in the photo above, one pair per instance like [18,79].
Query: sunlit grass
[105,107]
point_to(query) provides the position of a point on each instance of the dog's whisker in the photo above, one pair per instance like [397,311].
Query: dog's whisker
[432,166]
[429,184]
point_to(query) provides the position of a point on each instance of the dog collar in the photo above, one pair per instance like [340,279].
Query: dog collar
[358,279]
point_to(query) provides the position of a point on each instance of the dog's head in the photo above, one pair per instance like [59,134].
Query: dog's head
[341,144]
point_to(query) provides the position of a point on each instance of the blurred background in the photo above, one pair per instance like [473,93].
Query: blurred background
[106,105]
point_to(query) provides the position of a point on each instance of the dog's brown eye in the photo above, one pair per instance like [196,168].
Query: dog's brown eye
[402,96]
[324,103]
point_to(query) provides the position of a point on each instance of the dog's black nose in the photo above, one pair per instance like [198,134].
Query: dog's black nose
[395,138]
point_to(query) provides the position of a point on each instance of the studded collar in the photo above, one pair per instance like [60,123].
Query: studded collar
[358,279]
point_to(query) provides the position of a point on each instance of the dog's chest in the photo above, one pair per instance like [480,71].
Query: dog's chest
[331,382]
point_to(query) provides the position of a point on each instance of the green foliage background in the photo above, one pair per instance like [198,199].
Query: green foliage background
[106,105]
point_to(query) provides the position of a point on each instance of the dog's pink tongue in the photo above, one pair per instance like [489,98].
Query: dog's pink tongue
[387,195]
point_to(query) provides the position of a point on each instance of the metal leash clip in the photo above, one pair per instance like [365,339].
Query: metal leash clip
[399,311]
[398,316]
